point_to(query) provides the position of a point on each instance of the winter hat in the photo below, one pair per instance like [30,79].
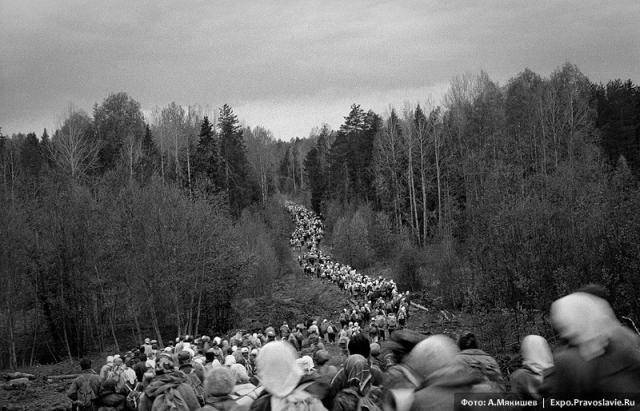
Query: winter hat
[218,382]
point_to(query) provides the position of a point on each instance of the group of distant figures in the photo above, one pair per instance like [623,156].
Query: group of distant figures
[298,368]
[377,306]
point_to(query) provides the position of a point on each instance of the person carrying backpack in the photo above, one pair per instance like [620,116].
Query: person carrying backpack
[186,367]
[391,323]
[474,358]
[85,388]
[168,390]
[359,392]
[402,316]
[281,377]
[219,384]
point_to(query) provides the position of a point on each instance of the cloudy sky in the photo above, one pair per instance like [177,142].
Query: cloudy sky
[292,65]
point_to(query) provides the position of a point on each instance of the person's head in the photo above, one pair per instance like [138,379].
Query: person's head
[432,354]
[218,381]
[536,354]
[229,360]
[239,373]
[306,364]
[375,349]
[467,341]
[143,357]
[277,368]
[164,363]
[117,361]
[322,357]
[584,321]
[210,355]
[184,357]
[356,369]
[85,364]
[108,385]
[360,344]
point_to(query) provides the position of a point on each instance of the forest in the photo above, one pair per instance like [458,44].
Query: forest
[504,197]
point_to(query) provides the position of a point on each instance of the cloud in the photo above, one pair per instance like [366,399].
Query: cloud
[264,56]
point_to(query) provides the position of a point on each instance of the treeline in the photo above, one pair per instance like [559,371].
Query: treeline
[114,229]
[502,197]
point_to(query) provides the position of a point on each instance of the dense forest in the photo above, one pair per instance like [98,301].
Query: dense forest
[501,197]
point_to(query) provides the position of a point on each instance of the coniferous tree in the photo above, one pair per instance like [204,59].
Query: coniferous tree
[235,167]
[206,164]
[30,156]
[147,162]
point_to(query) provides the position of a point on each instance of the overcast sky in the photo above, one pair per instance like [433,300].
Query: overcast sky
[292,65]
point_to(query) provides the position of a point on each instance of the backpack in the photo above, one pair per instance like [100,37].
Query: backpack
[194,381]
[133,397]
[85,393]
[391,321]
[170,400]
[301,400]
[366,397]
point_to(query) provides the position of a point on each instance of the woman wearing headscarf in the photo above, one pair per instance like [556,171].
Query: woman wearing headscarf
[536,359]
[358,384]
[281,378]
[600,356]
[434,361]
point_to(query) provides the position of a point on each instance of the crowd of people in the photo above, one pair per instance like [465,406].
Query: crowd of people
[316,366]
[377,306]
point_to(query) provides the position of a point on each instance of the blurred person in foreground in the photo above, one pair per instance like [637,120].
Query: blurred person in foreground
[600,356]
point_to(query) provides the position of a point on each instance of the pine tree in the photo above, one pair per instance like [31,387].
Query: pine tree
[235,167]
[148,160]
[206,164]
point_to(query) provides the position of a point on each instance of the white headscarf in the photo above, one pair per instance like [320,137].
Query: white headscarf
[585,321]
[277,368]
[432,354]
[536,354]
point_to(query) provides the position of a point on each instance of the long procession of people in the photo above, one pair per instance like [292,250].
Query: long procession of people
[369,362]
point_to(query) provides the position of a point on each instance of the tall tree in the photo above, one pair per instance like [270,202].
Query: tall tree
[73,147]
[119,127]
[206,164]
[235,167]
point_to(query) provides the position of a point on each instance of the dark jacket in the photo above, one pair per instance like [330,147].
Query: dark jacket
[615,371]
[162,384]
[440,387]
[87,380]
